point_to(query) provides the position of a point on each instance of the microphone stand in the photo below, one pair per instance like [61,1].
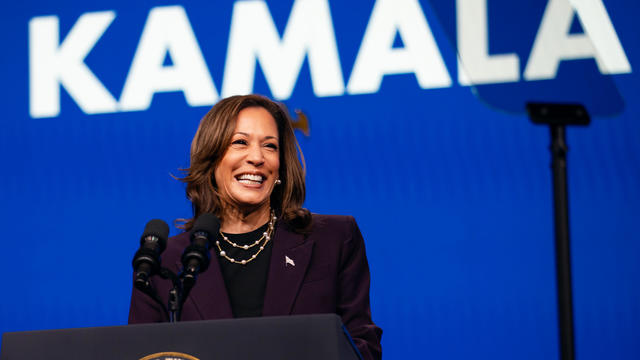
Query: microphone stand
[175,295]
[183,282]
[182,285]
[178,293]
[557,117]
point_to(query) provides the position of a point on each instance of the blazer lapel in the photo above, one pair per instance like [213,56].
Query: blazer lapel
[209,296]
[289,261]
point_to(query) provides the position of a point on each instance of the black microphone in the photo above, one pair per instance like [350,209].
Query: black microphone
[196,257]
[146,261]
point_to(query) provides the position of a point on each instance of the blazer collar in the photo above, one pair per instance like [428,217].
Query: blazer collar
[289,261]
[290,258]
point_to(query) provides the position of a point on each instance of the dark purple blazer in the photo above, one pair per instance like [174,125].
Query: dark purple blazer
[331,275]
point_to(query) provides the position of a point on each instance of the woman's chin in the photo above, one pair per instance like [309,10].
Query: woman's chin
[250,201]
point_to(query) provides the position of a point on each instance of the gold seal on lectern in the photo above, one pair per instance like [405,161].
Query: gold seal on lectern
[169,355]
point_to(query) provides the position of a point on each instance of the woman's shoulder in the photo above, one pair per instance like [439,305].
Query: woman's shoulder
[175,246]
[179,240]
[322,223]
[323,219]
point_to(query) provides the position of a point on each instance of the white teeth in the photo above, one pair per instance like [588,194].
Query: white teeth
[250,177]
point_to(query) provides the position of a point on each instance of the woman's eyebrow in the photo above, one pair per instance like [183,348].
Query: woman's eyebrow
[268,137]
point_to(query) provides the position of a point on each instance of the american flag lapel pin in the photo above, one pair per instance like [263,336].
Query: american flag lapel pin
[288,261]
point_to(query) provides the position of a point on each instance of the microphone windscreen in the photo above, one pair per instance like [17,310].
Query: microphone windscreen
[208,223]
[158,228]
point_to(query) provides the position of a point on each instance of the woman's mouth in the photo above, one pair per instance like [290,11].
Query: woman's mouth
[250,179]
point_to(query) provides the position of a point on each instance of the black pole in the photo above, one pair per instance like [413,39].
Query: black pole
[557,117]
[563,252]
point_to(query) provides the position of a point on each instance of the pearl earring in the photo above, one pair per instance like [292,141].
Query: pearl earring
[278,182]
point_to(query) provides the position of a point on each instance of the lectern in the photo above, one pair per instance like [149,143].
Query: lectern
[307,337]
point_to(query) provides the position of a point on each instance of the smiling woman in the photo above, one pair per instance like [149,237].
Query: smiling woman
[272,257]
[243,147]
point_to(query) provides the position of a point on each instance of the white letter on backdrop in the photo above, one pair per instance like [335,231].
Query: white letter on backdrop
[554,43]
[377,57]
[52,64]
[475,65]
[253,36]
[167,31]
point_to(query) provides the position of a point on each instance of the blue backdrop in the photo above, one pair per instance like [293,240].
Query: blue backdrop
[449,182]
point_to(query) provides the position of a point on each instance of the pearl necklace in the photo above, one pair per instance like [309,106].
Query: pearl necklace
[266,236]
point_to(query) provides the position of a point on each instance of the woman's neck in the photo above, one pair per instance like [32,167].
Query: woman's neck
[237,221]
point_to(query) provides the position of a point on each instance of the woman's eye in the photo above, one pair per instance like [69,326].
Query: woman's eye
[239,142]
[272,146]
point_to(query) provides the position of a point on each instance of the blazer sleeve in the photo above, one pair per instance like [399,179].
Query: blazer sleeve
[353,297]
[144,309]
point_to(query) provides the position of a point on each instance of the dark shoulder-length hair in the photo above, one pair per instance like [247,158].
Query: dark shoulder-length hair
[210,144]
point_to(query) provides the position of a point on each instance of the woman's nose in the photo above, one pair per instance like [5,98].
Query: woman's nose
[255,156]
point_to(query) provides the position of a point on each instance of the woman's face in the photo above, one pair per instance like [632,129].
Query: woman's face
[248,170]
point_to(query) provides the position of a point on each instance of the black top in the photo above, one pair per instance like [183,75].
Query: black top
[246,283]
